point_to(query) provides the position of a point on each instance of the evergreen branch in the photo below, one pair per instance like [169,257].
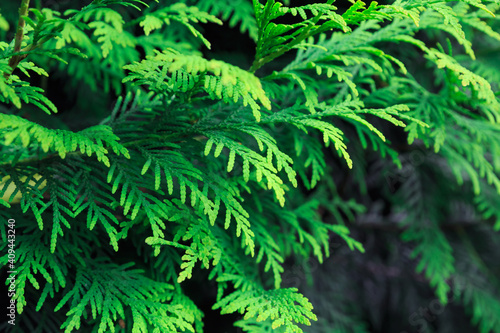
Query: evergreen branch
[299,36]
[200,171]
[283,306]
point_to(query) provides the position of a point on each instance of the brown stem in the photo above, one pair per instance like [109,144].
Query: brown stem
[23,11]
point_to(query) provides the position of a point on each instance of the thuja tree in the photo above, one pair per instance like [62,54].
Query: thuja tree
[159,154]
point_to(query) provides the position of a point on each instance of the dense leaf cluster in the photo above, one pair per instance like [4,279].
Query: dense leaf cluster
[169,162]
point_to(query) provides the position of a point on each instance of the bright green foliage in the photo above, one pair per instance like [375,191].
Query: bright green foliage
[172,162]
[16,130]
[190,74]
[107,289]
[277,305]
[178,12]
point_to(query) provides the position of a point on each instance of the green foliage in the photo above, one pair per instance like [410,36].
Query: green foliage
[132,160]
[178,12]
[190,74]
[148,301]
[278,305]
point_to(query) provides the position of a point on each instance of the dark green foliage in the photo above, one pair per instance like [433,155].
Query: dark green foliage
[134,163]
